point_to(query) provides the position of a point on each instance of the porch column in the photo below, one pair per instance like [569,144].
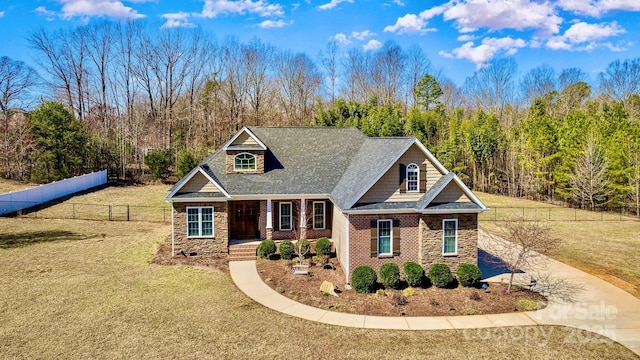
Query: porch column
[269,219]
[303,219]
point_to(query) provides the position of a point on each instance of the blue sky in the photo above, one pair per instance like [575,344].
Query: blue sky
[459,36]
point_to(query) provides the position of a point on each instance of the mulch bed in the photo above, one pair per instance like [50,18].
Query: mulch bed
[429,301]
[163,257]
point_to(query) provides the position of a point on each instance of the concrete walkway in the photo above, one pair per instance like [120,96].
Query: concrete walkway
[599,307]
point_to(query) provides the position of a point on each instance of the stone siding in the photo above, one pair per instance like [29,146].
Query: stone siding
[230,159]
[360,241]
[218,244]
[431,240]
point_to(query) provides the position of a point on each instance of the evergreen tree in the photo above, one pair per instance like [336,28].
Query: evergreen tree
[61,141]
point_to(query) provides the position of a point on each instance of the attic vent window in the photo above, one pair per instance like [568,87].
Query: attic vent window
[244,161]
[413,178]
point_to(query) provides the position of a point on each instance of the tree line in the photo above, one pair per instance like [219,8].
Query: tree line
[131,90]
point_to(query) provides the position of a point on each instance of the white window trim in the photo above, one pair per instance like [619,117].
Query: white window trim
[255,161]
[290,216]
[324,215]
[417,171]
[443,237]
[390,253]
[213,228]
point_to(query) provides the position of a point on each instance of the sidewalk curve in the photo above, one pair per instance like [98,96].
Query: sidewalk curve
[601,308]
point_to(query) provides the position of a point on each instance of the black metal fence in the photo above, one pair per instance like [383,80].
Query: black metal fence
[552,213]
[99,212]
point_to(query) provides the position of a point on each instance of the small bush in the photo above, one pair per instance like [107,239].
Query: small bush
[286,250]
[363,279]
[440,275]
[468,274]
[158,162]
[390,275]
[186,162]
[468,310]
[323,246]
[527,305]
[413,273]
[305,247]
[380,293]
[266,249]
[409,292]
[295,260]
[475,296]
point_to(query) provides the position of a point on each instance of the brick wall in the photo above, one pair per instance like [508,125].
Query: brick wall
[218,244]
[431,240]
[360,240]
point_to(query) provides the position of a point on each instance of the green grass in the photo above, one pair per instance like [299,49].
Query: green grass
[609,249]
[90,292]
[12,185]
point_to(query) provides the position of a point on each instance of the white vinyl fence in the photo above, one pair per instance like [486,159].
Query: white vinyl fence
[18,200]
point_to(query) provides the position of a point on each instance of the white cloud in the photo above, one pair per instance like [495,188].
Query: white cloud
[484,52]
[372,45]
[270,24]
[213,8]
[89,8]
[333,4]
[41,10]
[179,19]
[598,7]
[1,14]
[398,2]
[361,35]
[466,37]
[470,15]
[341,38]
[582,36]
[416,24]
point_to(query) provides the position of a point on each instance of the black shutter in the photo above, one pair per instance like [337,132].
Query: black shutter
[328,215]
[374,238]
[403,179]
[275,207]
[423,178]
[396,237]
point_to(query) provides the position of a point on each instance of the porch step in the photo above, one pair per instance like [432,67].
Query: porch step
[242,252]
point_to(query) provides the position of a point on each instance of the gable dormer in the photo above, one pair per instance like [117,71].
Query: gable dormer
[245,153]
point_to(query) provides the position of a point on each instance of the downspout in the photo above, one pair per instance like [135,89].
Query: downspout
[172,232]
[347,240]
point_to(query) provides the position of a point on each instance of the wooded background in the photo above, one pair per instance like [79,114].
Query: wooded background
[107,95]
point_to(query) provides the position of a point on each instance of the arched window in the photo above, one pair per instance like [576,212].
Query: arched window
[413,178]
[244,161]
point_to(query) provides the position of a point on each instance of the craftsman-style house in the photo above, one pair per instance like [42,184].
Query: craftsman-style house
[379,199]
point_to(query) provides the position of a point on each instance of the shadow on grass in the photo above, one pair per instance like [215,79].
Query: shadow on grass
[8,241]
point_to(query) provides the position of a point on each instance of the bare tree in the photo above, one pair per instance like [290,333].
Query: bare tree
[491,87]
[259,60]
[329,63]
[621,79]
[527,242]
[387,72]
[418,64]
[589,179]
[299,82]
[538,82]
[571,76]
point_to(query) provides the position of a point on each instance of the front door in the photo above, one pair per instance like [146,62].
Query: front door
[244,219]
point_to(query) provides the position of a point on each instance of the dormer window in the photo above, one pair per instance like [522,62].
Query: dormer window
[244,161]
[413,178]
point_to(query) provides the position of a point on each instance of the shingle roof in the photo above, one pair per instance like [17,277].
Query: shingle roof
[374,157]
[340,162]
[299,160]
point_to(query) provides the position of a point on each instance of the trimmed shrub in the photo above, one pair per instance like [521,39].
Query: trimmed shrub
[390,275]
[286,250]
[266,249]
[468,274]
[413,273]
[305,247]
[440,275]
[363,279]
[323,246]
